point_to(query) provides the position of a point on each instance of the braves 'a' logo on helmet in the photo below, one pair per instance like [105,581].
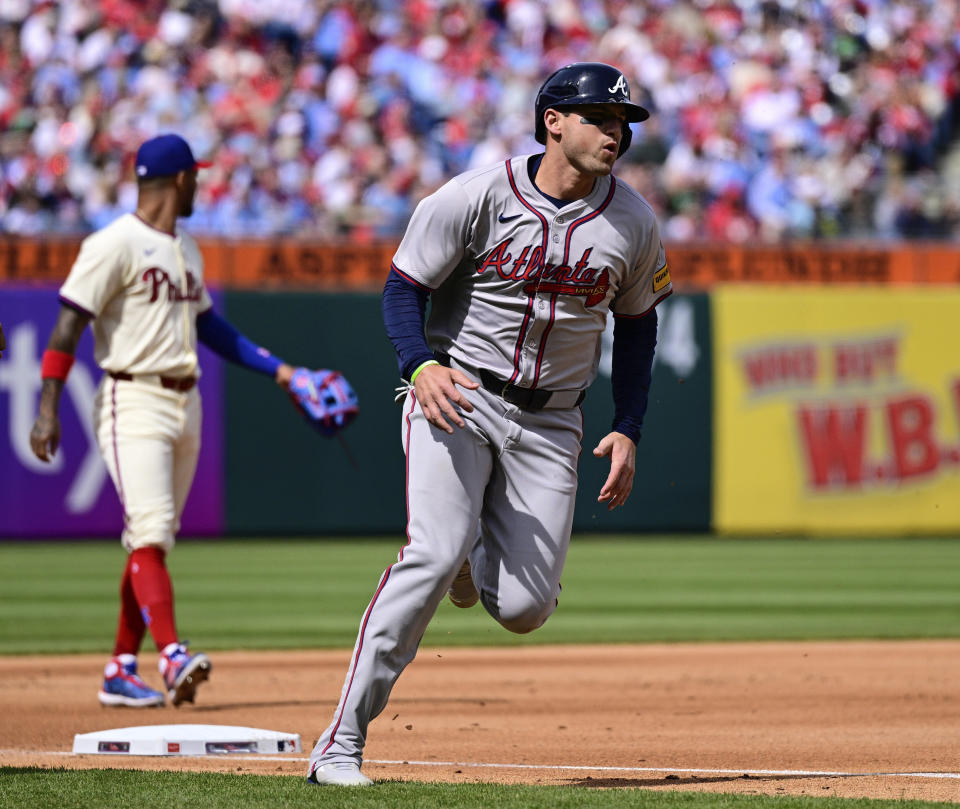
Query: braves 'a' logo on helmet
[620,86]
[587,83]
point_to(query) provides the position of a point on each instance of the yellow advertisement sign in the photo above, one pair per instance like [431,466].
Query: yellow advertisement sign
[836,410]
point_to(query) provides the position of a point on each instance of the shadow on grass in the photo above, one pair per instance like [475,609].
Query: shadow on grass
[674,781]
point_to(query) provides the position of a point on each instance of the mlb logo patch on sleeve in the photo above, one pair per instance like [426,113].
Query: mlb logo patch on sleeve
[661,278]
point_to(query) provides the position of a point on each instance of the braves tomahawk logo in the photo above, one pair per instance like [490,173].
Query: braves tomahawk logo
[562,279]
[158,278]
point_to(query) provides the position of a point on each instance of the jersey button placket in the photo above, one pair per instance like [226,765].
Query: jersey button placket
[186,309]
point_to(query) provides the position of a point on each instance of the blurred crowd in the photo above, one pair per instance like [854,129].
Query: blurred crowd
[796,119]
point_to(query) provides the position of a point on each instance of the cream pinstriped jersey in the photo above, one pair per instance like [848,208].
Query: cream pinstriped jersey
[523,288]
[144,289]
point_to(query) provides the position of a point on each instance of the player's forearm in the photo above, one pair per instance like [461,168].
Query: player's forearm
[45,434]
[50,393]
[218,335]
[58,359]
[67,330]
[634,342]
[404,313]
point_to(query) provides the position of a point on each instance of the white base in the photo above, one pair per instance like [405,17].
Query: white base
[185,740]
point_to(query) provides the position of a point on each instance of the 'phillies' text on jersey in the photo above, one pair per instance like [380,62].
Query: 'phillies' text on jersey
[159,278]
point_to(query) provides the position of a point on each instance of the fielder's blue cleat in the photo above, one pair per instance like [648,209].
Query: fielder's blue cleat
[183,672]
[122,685]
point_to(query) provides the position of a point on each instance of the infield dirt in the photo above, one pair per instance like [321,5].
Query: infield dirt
[869,710]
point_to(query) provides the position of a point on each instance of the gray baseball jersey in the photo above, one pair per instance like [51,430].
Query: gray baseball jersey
[479,241]
[520,290]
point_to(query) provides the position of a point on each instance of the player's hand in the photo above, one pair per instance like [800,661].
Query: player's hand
[623,456]
[437,392]
[45,436]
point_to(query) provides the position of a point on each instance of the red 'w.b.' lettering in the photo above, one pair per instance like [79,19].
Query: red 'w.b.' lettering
[911,435]
[835,443]
[956,398]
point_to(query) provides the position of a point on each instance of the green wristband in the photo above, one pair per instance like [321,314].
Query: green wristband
[415,374]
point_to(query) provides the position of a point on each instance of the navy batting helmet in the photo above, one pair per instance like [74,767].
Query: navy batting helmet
[587,83]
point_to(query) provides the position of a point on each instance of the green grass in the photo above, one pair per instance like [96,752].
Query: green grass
[258,594]
[125,789]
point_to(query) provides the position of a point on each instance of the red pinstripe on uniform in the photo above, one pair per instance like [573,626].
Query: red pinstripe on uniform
[587,217]
[543,339]
[645,311]
[116,450]
[566,257]
[406,277]
[376,595]
[543,257]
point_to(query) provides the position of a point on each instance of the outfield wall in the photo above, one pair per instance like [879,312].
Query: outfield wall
[836,410]
[282,477]
[800,408]
[339,266]
[263,470]
[73,495]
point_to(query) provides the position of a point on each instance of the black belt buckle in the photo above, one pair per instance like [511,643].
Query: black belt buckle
[515,395]
[524,398]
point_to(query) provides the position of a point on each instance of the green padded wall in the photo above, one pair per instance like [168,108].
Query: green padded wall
[284,478]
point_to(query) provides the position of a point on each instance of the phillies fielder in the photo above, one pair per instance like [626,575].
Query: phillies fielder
[140,280]
[522,262]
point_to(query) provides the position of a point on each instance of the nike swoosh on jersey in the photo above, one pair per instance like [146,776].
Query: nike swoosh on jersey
[503,218]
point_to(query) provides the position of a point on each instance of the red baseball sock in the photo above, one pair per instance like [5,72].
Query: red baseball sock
[130,627]
[154,593]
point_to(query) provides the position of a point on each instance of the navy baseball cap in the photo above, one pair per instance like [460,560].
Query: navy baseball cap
[166,155]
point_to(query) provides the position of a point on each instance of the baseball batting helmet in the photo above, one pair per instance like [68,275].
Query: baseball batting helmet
[587,83]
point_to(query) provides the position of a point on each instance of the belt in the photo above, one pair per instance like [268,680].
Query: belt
[524,398]
[178,383]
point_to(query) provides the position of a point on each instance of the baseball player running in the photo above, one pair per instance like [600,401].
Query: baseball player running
[140,280]
[522,261]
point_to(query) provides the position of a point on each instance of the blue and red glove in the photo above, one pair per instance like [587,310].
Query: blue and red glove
[328,402]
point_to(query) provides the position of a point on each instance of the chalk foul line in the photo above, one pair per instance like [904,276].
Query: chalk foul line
[548,767]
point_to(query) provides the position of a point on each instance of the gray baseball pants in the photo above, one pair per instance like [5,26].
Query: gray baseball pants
[501,489]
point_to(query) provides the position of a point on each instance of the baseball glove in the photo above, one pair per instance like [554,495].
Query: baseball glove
[326,399]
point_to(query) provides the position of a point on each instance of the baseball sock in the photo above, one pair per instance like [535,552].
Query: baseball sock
[130,626]
[154,592]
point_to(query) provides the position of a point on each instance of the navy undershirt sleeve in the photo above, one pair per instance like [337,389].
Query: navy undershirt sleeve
[404,313]
[634,341]
[217,334]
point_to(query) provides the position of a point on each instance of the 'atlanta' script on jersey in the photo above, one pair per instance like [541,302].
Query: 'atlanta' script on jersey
[565,279]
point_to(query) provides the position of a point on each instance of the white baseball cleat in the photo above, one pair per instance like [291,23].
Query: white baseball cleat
[339,774]
[463,592]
